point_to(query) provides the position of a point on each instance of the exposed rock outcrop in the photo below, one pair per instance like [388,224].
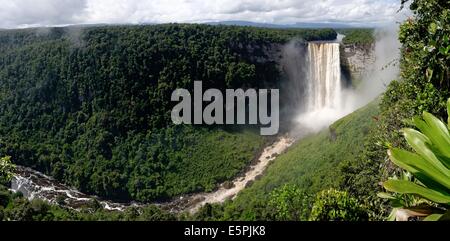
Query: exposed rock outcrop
[356,61]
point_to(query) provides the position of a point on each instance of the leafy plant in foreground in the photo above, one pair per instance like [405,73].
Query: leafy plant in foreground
[429,166]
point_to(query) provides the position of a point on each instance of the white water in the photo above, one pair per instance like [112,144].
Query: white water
[34,184]
[324,88]
[324,96]
[222,194]
[320,91]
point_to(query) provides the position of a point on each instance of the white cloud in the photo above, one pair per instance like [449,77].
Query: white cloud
[22,13]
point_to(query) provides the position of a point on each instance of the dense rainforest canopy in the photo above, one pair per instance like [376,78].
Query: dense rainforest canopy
[86,105]
[317,163]
[91,105]
[358,36]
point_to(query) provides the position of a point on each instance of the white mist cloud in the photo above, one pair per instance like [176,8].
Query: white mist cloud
[385,69]
[375,81]
[23,13]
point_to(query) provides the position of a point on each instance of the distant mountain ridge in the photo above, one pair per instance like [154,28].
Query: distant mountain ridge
[295,25]
[303,25]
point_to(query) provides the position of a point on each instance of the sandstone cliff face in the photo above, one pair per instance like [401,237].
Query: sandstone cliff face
[356,61]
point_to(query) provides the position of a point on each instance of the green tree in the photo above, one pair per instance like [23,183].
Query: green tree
[6,170]
[95,113]
[288,203]
[334,205]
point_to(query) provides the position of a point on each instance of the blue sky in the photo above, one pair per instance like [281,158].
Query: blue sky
[32,13]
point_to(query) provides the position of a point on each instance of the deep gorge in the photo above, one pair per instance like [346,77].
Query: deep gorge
[322,81]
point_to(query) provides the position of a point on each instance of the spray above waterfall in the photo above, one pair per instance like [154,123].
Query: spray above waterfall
[318,86]
[324,87]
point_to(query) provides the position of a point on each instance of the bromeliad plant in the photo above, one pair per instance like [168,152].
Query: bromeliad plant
[425,195]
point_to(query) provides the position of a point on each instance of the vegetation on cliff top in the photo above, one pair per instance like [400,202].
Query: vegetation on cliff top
[358,36]
[91,106]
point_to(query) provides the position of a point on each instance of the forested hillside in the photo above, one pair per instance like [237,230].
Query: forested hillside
[423,85]
[361,36]
[354,162]
[91,106]
[318,162]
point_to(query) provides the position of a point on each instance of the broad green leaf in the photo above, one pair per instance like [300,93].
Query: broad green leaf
[418,142]
[403,159]
[423,127]
[385,195]
[444,159]
[433,217]
[419,167]
[396,203]
[439,133]
[405,187]
[426,130]
[392,215]
[448,112]
[430,165]
[434,137]
[437,125]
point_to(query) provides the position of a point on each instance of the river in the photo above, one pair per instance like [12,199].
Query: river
[34,185]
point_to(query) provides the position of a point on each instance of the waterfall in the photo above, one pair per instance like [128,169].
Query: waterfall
[315,87]
[324,88]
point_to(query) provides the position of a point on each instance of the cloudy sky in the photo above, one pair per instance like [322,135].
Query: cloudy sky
[32,13]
